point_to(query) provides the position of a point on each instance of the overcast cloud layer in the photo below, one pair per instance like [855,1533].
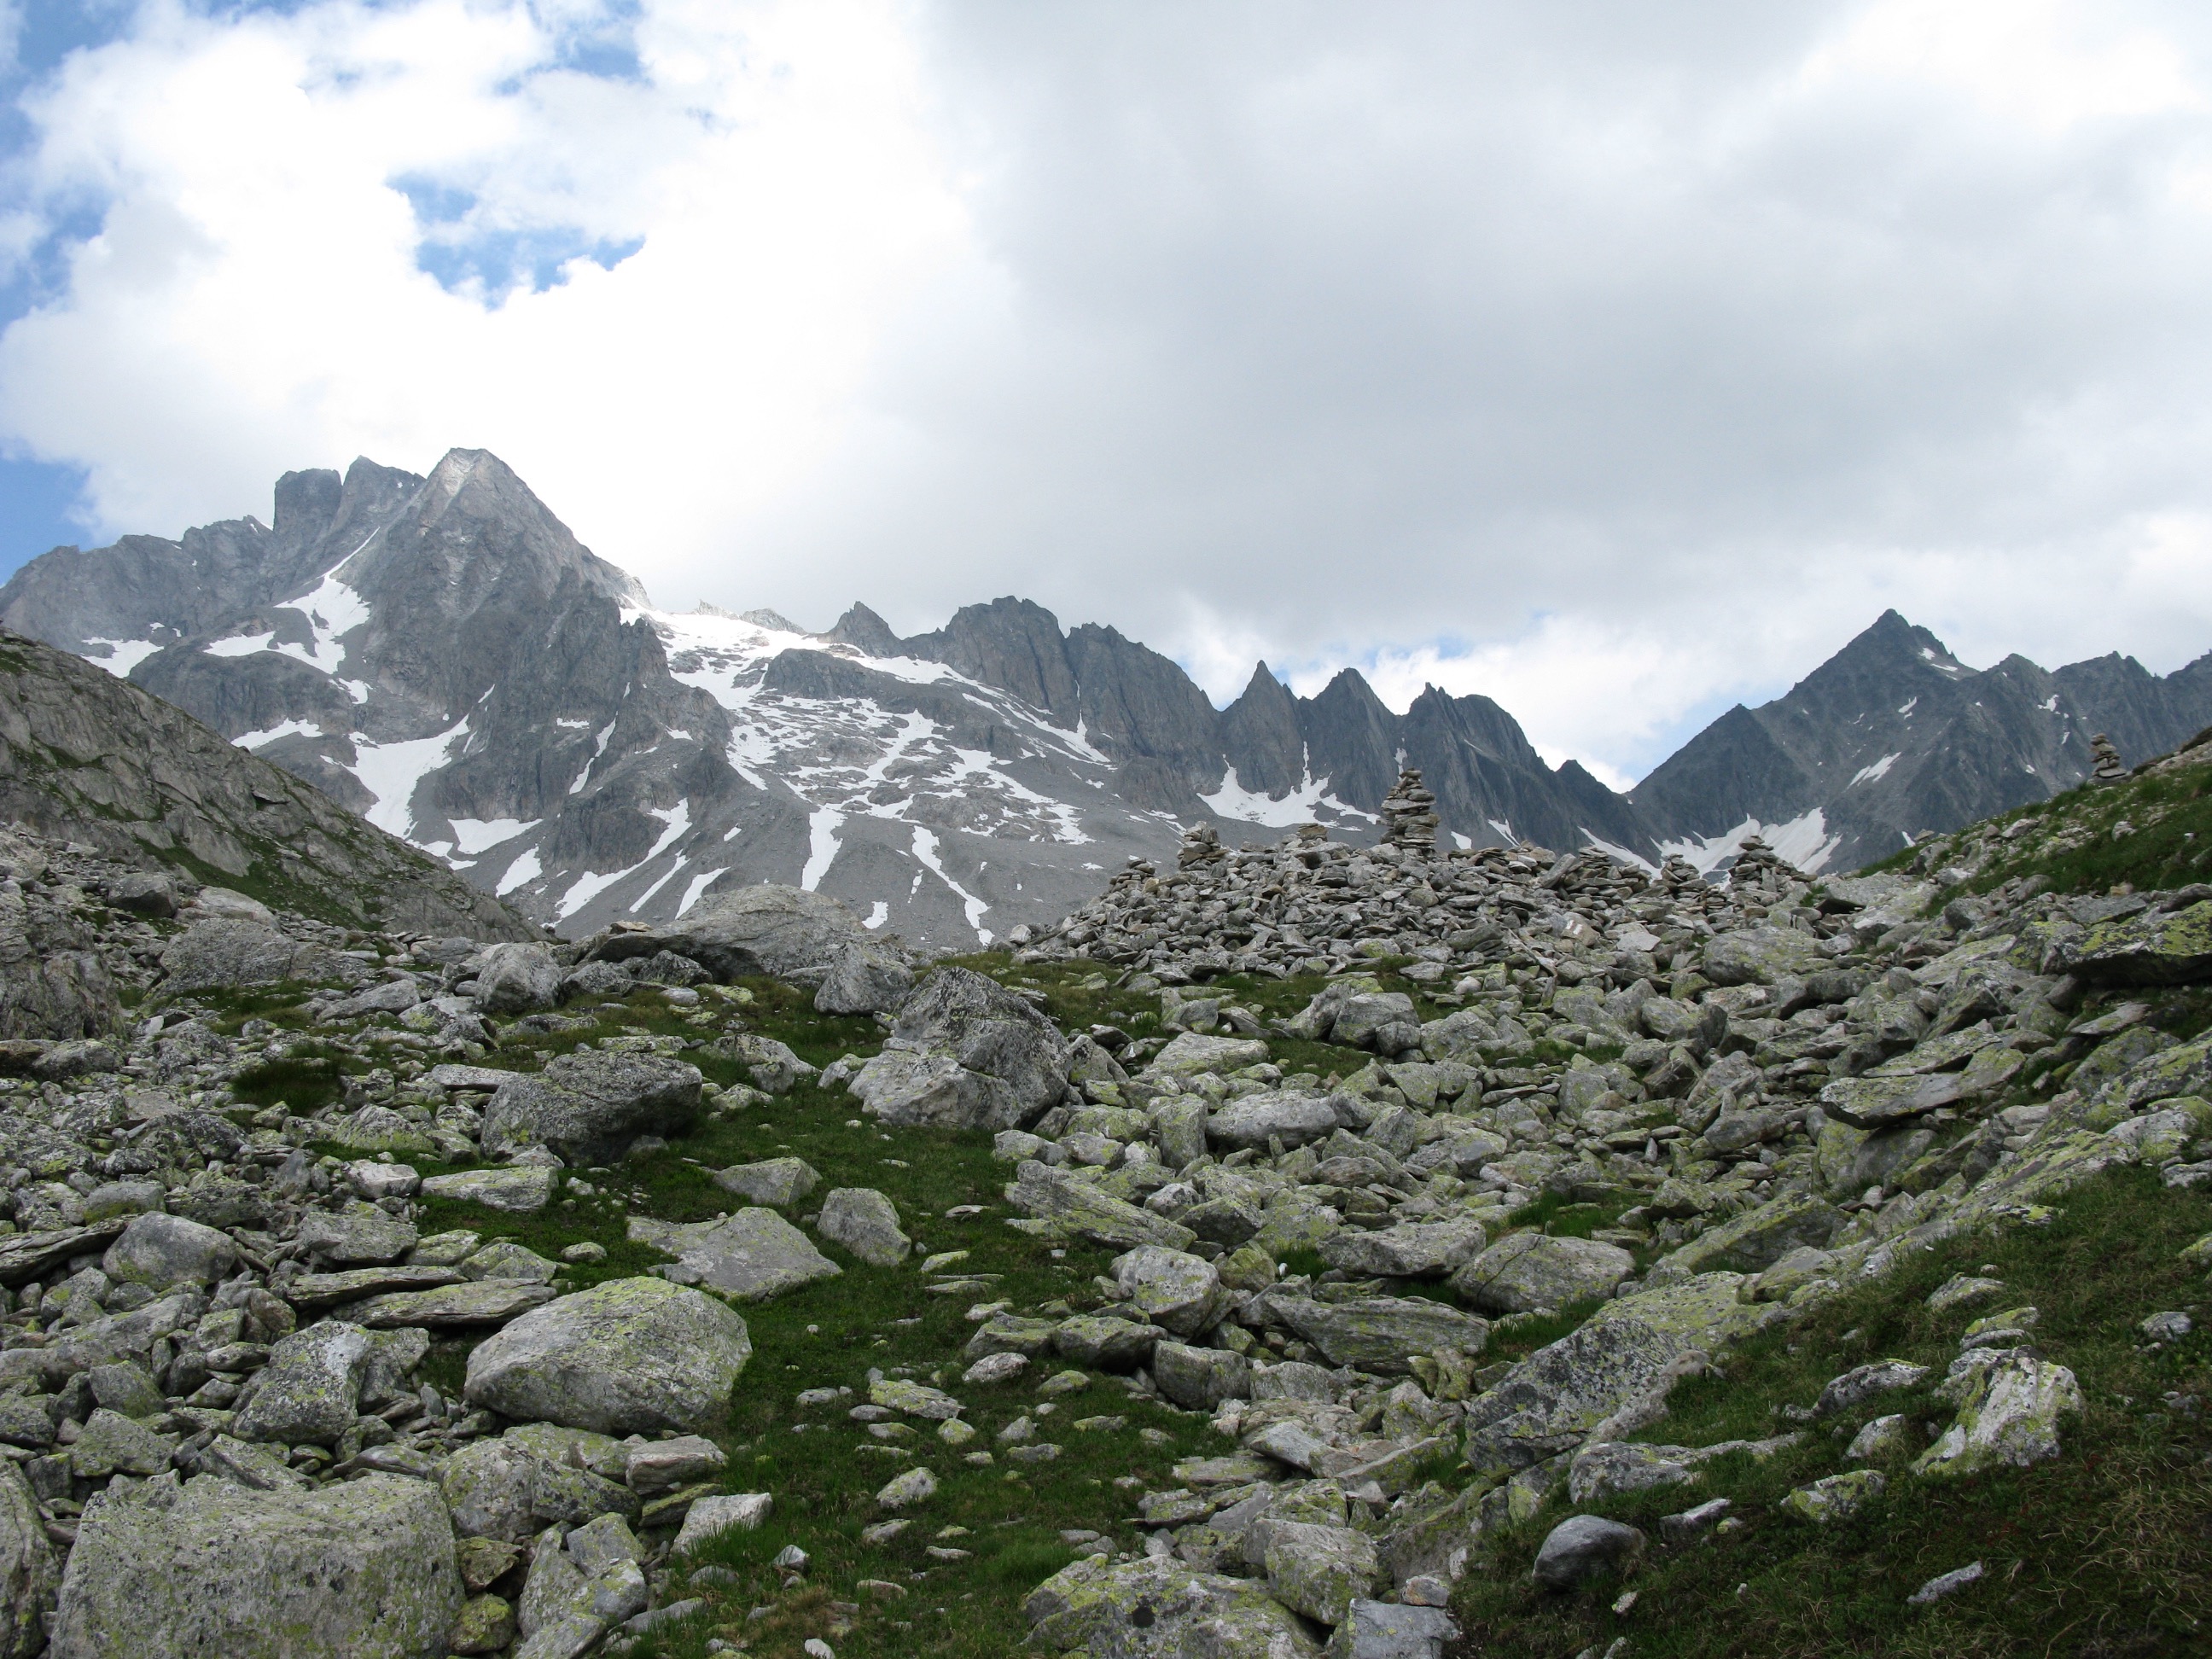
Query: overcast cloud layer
[1616,360]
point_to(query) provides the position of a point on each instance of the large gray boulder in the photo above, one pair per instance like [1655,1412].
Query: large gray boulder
[753,1255]
[1412,1250]
[778,1182]
[534,1477]
[966,1054]
[588,1107]
[158,1250]
[865,1223]
[52,983]
[632,1356]
[518,979]
[1584,1547]
[1550,1403]
[2153,948]
[228,955]
[214,1571]
[28,1574]
[1059,1205]
[1172,1289]
[771,930]
[1760,956]
[1382,1334]
[1523,1272]
[1162,1609]
[1292,1119]
[864,978]
[308,1391]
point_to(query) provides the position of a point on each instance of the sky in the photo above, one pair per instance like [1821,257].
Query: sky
[1618,362]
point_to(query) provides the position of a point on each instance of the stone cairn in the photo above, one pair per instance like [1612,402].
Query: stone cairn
[2106,765]
[1760,868]
[1409,814]
[1201,845]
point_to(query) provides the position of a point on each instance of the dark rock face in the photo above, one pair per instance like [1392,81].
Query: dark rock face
[90,758]
[1894,736]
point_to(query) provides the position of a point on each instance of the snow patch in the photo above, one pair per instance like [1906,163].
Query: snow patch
[699,884]
[2051,707]
[1619,854]
[124,655]
[390,771]
[1804,841]
[474,835]
[678,818]
[244,645]
[1301,805]
[282,729]
[1871,773]
[524,868]
[1909,706]
[925,852]
[821,829]
[879,915]
[640,902]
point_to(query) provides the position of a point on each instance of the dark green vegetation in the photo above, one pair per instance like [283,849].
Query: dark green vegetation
[2105,1551]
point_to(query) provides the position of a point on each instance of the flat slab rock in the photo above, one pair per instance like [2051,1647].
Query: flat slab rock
[753,1255]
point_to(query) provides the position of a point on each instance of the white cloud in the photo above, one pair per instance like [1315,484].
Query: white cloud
[1614,362]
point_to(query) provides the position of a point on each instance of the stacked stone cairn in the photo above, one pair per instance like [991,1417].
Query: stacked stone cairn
[1409,816]
[2106,765]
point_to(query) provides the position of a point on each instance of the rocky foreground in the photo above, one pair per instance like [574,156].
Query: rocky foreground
[1324,1155]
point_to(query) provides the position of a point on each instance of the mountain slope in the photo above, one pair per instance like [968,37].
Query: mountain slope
[1894,736]
[87,758]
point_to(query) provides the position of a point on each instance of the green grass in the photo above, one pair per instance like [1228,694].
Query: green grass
[2106,1550]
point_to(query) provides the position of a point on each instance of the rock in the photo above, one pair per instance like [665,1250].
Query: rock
[747,930]
[1883,1439]
[244,1465]
[505,1259]
[158,1250]
[1062,1205]
[486,1625]
[518,979]
[27,1255]
[596,979]
[1835,1497]
[774,1066]
[1254,1120]
[1179,1292]
[223,956]
[664,1465]
[1877,1102]
[517,1191]
[447,1307]
[309,1391]
[588,1106]
[1523,1272]
[393,996]
[219,1572]
[1584,1547]
[864,978]
[2150,948]
[1319,1570]
[1161,1609]
[112,1444]
[753,1255]
[144,893]
[1862,1382]
[1103,1342]
[2011,1415]
[359,1233]
[865,1223]
[630,1356]
[1609,1469]
[1946,1584]
[1754,1240]
[995,1368]
[1201,1379]
[509,1488]
[1389,1630]
[965,1053]
[1382,1334]
[1192,1052]
[778,1182]
[709,1517]
[916,1485]
[1412,1250]
[1551,1402]
[912,1398]
[28,1573]
[1760,956]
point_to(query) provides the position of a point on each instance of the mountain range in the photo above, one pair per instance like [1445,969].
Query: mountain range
[441,655]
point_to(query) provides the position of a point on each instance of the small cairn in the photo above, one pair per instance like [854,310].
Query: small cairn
[1201,845]
[1409,814]
[2105,766]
